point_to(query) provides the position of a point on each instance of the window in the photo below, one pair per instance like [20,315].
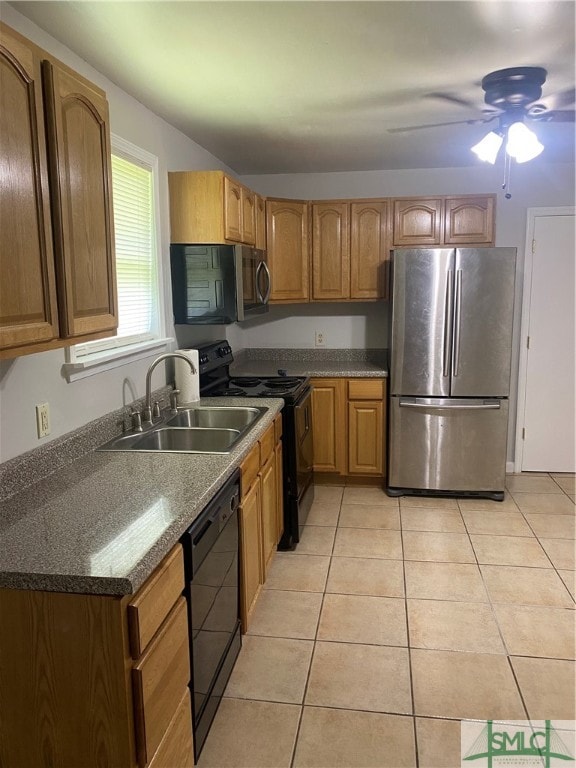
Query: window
[140,328]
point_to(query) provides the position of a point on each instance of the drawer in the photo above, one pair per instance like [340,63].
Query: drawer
[267,443]
[176,749]
[365,389]
[160,680]
[154,601]
[249,469]
[277,428]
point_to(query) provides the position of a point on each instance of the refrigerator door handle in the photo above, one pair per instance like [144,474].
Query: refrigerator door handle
[449,301]
[457,318]
[454,405]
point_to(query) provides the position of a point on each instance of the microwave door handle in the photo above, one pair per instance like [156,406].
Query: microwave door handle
[239,283]
[257,281]
[269,285]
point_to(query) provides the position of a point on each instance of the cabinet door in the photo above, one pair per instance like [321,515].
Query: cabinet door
[251,574]
[417,222]
[288,253]
[248,217]
[232,210]
[365,437]
[269,512]
[278,457]
[27,282]
[79,147]
[160,680]
[177,747]
[369,250]
[330,251]
[329,425]
[469,220]
[260,213]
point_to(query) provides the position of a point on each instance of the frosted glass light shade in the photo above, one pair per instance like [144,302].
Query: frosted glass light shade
[488,148]
[522,144]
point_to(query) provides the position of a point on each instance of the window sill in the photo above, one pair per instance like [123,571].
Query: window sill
[112,358]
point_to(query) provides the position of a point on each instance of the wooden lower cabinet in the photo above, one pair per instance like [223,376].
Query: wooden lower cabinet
[329,425]
[349,426]
[269,504]
[250,552]
[365,437]
[261,515]
[176,749]
[71,692]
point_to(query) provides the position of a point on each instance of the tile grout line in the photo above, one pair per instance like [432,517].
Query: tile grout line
[408,648]
[304,693]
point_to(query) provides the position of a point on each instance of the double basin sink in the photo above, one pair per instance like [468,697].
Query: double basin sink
[202,429]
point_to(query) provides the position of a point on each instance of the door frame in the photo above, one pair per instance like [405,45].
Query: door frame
[533,214]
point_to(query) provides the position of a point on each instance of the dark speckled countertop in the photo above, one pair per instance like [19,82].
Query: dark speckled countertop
[103,522]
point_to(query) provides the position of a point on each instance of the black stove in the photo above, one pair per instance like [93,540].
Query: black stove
[215,380]
[214,360]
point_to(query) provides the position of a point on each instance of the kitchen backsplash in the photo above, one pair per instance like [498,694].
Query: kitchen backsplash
[379,356]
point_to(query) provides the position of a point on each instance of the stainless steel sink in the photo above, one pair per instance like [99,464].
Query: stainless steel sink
[219,418]
[191,430]
[188,440]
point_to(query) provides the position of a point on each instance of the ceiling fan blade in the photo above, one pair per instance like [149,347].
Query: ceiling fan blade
[438,125]
[556,116]
[450,97]
[560,100]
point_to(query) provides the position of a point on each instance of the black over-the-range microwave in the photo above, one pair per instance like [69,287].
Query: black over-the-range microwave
[218,283]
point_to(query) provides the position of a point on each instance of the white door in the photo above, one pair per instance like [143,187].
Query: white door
[547,367]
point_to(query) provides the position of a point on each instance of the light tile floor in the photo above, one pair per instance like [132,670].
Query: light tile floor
[394,619]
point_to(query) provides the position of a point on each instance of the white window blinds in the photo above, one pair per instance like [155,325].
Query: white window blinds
[134,206]
[134,236]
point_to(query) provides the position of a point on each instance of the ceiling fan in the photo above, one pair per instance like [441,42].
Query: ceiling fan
[512,95]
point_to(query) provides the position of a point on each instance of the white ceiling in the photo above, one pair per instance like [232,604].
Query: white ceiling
[296,87]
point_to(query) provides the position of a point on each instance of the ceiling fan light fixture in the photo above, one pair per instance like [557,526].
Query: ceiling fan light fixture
[487,149]
[522,143]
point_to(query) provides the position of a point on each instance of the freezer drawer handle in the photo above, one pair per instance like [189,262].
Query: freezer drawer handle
[447,325]
[457,317]
[480,406]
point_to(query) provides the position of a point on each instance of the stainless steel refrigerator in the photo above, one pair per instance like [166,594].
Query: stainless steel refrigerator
[450,352]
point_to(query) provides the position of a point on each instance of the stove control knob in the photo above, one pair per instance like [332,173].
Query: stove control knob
[203,359]
[223,351]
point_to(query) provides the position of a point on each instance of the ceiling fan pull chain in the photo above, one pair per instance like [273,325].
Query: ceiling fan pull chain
[507,175]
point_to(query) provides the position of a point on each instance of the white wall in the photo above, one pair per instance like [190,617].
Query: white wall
[37,378]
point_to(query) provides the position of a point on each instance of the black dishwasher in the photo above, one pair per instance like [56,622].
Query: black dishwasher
[212,579]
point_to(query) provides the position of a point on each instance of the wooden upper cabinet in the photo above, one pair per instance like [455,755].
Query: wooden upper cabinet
[260,216]
[210,207]
[288,251]
[28,305]
[78,138]
[248,216]
[330,251]
[233,209]
[417,222]
[469,220]
[369,249]
[57,272]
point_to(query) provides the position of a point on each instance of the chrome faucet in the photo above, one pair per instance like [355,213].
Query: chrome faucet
[147,412]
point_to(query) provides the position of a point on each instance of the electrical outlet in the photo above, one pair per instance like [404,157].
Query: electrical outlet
[319,339]
[43,419]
